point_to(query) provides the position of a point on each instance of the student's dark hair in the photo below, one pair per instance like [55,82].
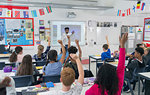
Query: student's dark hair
[138,45]
[52,54]
[72,50]
[105,46]
[25,67]
[13,57]
[140,50]
[107,79]
[66,28]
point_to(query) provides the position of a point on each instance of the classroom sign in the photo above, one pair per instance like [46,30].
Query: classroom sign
[17,31]
[146,29]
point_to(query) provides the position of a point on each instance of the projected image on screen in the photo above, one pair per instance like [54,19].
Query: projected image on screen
[72,28]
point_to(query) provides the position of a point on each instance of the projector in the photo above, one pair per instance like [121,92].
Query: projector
[71,15]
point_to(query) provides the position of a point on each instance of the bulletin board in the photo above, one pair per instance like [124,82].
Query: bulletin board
[17,31]
[146,33]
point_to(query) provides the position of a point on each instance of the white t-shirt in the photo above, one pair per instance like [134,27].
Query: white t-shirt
[65,39]
[76,90]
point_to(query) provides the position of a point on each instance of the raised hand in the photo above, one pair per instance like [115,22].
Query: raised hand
[123,39]
[60,42]
[77,41]
[68,36]
[74,56]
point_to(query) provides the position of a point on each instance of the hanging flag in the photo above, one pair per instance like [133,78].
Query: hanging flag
[123,14]
[143,6]
[49,9]
[119,13]
[1,11]
[8,13]
[17,14]
[34,14]
[41,11]
[133,8]
[138,4]
[128,12]
[26,14]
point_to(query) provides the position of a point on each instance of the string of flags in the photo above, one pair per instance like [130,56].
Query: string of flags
[127,12]
[26,13]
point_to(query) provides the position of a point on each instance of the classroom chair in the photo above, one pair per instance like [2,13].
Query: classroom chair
[54,79]
[40,63]
[22,81]
[2,65]
[135,79]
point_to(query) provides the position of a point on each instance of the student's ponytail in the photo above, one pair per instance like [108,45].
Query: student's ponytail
[13,57]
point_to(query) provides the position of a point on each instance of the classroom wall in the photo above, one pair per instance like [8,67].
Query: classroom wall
[82,15]
[85,15]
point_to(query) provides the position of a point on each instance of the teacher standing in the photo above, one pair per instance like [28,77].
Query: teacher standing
[65,38]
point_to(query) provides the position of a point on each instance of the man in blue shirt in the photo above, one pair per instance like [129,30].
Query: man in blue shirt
[107,53]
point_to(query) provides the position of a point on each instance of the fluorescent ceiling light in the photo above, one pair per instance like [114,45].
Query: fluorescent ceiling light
[90,8]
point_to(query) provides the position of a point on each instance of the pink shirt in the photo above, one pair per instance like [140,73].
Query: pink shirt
[19,58]
[94,90]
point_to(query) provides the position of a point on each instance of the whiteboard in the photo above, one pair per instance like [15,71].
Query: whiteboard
[58,28]
[113,34]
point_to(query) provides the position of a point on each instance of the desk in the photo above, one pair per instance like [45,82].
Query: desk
[57,87]
[95,57]
[145,75]
[10,74]
[2,56]
[39,67]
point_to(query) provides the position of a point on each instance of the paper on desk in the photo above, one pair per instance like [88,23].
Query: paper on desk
[131,44]
[48,93]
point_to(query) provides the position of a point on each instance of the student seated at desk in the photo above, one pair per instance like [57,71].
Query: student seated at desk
[116,53]
[26,67]
[146,60]
[17,55]
[73,64]
[53,67]
[66,48]
[107,53]
[7,86]
[137,62]
[68,77]
[109,81]
[42,56]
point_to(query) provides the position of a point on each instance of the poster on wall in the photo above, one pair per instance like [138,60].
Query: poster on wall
[2,31]
[146,29]
[17,31]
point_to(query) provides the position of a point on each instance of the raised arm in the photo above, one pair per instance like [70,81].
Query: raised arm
[63,51]
[121,64]
[68,41]
[49,41]
[80,68]
[48,46]
[80,51]
[107,41]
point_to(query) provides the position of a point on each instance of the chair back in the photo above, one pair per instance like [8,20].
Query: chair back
[54,78]
[2,65]
[42,63]
[22,81]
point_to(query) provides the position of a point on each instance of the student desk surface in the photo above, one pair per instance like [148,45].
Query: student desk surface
[57,87]
[145,75]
